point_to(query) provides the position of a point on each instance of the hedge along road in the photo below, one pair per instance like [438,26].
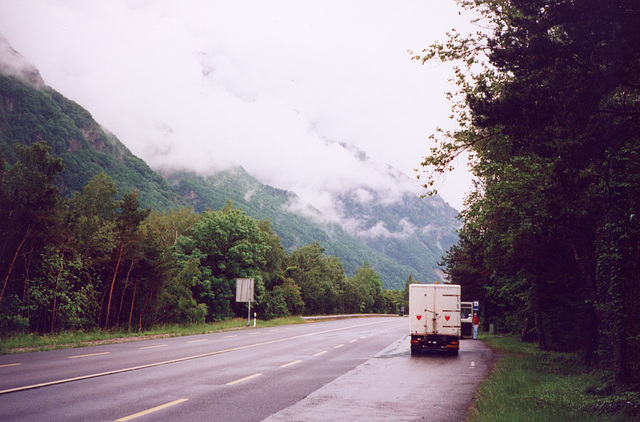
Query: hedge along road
[248,375]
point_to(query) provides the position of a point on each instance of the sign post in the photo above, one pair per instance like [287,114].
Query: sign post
[244,293]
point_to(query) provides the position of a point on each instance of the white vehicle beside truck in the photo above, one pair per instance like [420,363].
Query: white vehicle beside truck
[466,320]
[434,312]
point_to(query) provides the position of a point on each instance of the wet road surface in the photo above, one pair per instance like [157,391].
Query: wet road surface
[346,370]
[395,386]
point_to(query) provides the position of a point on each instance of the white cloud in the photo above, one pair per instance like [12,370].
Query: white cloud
[269,85]
[354,227]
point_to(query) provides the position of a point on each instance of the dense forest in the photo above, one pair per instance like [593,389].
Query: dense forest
[548,106]
[96,261]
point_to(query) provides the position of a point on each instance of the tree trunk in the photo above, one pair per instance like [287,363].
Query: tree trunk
[13,260]
[113,283]
[529,329]
[55,296]
[594,317]
[542,340]
[145,309]
[124,290]
[133,301]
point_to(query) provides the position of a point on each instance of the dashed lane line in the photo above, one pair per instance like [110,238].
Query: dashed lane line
[151,365]
[243,379]
[155,409]
[89,355]
[153,347]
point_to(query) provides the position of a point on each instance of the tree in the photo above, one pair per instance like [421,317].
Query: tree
[548,106]
[128,222]
[164,288]
[321,279]
[28,204]
[363,291]
[229,245]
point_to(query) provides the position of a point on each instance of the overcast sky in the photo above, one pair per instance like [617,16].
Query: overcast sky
[269,85]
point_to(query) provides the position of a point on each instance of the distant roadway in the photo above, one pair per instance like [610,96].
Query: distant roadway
[356,369]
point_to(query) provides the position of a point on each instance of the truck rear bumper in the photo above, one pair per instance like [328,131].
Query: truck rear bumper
[449,343]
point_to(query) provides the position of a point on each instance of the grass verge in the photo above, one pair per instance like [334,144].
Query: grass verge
[65,340]
[528,385]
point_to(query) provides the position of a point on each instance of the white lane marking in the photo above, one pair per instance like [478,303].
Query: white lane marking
[89,355]
[151,365]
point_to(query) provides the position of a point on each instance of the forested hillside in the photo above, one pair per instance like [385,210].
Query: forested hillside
[394,262]
[28,115]
[549,107]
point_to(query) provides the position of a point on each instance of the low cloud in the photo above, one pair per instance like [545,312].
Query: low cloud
[380,230]
[281,88]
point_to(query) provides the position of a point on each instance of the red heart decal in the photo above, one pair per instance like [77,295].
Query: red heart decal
[419,317]
[446,317]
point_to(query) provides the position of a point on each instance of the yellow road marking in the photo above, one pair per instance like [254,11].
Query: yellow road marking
[152,347]
[198,341]
[338,346]
[235,335]
[320,353]
[243,379]
[86,356]
[252,334]
[155,409]
[352,341]
[291,363]
[10,364]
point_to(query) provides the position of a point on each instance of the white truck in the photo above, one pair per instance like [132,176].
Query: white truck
[434,312]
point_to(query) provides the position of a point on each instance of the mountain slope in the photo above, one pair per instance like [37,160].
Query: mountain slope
[30,112]
[28,115]
[265,202]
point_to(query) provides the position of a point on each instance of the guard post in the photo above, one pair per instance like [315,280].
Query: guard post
[244,293]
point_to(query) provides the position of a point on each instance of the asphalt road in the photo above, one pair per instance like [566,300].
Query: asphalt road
[353,369]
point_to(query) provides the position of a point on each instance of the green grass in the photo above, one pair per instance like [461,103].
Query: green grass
[530,385]
[65,340]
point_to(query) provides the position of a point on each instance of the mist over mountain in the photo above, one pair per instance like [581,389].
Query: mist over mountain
[15,64]
[379,218]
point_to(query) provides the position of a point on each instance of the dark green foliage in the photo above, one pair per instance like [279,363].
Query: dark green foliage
[227,245]
[362,292]
[550,239]
[320,277]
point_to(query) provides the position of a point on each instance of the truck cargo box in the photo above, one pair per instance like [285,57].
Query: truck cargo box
[434,312]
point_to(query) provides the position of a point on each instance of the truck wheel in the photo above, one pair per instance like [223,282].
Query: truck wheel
[453,352]
[415,351]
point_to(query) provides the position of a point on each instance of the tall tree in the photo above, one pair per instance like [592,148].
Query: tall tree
[128,222]
[228,245]
[320,277]
[549,108]
[28,204]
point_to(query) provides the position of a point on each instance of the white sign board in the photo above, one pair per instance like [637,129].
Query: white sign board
[244,290]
